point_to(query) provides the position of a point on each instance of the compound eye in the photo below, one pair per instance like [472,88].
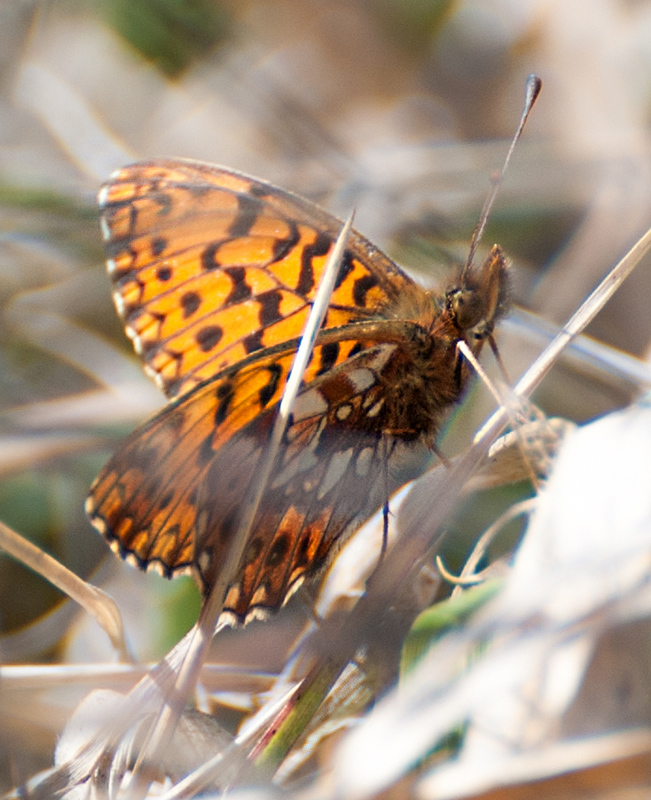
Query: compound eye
[467,308]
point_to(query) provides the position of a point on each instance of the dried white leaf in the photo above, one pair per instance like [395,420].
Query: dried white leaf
[583,569]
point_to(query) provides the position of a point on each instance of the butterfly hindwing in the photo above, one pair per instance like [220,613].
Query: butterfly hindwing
[170,497]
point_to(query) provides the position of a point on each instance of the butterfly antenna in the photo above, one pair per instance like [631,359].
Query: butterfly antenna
[531,95]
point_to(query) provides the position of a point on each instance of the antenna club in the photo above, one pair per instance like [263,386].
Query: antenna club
[534,85]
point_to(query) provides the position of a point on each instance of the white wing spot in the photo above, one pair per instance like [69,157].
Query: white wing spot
[309,404]
[204,561]
[106,231]
[135,338]
[294,587]
[363,462]
[335,471]
[186,569]
[308,460]
[343,412]
[375,410]
[261,595]
[227,619]
[300,462]
[316,436]
[200,525]
[157,567]
[361,379]
[102,197]
[129,558]
[258,613]
[119,304]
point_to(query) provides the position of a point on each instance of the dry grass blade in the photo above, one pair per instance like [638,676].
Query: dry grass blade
[93,600]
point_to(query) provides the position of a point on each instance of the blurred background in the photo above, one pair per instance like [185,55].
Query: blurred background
[399,108]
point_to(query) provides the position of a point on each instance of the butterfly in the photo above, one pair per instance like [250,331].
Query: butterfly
[214,274]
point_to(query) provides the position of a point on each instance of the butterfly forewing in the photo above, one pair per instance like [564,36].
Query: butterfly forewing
[210,266]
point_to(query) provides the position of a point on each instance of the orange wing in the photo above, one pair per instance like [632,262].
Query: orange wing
[210,266]
[170,497]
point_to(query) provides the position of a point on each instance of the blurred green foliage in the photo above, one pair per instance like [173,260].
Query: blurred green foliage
[436,621]
[170,33]
[413,23]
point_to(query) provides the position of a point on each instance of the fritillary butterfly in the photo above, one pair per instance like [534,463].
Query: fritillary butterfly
[214,275]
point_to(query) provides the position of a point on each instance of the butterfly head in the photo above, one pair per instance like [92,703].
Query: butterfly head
[480,298]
